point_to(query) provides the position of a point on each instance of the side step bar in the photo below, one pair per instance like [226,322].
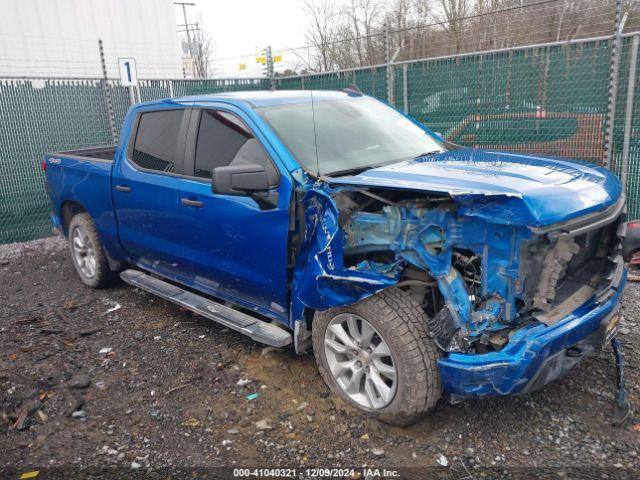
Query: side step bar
[255,328]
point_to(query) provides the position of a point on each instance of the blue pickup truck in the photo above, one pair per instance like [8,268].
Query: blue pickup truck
[331,221]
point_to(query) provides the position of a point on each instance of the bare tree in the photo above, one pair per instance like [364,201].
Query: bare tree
[362,16]
[321,32]
[203,49]
[454,13]
[353,36]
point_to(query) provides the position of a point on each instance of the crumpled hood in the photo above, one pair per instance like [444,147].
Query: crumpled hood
[511,188]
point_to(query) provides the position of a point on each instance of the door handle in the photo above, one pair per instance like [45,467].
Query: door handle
[123,188]
[191,203]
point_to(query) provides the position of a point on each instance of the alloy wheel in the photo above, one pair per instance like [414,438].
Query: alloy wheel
[84,253]
[360,361]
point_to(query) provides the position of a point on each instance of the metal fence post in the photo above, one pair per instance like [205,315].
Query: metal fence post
[631,86]
[270,69]
[107,94]
[132,97]
[614,67]
[387,61]
[405,88]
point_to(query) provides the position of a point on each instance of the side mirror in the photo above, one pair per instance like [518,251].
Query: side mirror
[239,180]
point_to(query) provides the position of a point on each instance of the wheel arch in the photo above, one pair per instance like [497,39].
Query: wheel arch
[71,208]
[68,210]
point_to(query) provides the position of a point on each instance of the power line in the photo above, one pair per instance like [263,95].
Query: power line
[528,7]
[478,15]
[416,27]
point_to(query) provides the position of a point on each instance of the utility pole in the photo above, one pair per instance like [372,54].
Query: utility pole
[270,69]
[188,30]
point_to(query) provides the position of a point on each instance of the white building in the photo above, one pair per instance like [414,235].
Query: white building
[60,37]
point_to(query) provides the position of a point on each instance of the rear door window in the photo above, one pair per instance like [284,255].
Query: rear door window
[158,141]
[224,139]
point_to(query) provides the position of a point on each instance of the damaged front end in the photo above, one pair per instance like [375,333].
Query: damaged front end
[498,293]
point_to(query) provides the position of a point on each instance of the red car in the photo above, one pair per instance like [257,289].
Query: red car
[572,135]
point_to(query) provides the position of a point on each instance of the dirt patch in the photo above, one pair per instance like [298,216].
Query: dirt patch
[148,388]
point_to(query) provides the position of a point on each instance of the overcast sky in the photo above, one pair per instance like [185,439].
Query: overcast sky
[245,27]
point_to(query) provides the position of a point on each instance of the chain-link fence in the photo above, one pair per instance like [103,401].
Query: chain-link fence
[550,99]
[626,124]
[47,115]
[370,80]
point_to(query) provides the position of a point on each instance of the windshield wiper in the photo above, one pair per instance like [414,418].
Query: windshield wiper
[348,171]
[358,170]
[426,154]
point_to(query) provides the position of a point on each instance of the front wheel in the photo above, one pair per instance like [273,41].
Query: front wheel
[377,356]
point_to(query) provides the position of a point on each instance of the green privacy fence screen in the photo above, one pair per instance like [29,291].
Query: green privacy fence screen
[48,115]
[550,99]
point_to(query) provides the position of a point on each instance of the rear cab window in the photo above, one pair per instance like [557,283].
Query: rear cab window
[159,141]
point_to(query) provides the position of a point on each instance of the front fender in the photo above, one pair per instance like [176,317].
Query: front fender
[321,280]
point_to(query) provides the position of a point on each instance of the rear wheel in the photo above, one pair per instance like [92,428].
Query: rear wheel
[87,253]
[377,356]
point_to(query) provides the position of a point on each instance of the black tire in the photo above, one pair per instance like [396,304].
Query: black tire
[103,276]
[403,326]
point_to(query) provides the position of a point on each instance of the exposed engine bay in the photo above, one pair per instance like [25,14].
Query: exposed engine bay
[478,271]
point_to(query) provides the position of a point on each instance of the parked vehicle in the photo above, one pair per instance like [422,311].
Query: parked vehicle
[330,220]
[544,133]
[631,249]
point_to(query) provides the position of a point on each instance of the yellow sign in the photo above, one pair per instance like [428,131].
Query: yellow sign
[263,59]
[242,66]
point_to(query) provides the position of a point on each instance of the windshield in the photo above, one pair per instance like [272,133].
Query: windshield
[351,134]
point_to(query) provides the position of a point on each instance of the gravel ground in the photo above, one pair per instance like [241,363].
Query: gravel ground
[118,382]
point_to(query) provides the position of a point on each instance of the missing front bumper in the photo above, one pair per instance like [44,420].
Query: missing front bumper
[535,355]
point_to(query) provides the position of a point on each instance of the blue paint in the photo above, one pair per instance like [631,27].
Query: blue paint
[284,261]
[426,239]
[505,188]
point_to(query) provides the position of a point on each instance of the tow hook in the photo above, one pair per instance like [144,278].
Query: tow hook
[621,409]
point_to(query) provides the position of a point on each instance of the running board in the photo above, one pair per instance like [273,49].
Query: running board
[255,328]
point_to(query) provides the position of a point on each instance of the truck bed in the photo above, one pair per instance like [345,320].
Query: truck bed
[83,178]
[104,154]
